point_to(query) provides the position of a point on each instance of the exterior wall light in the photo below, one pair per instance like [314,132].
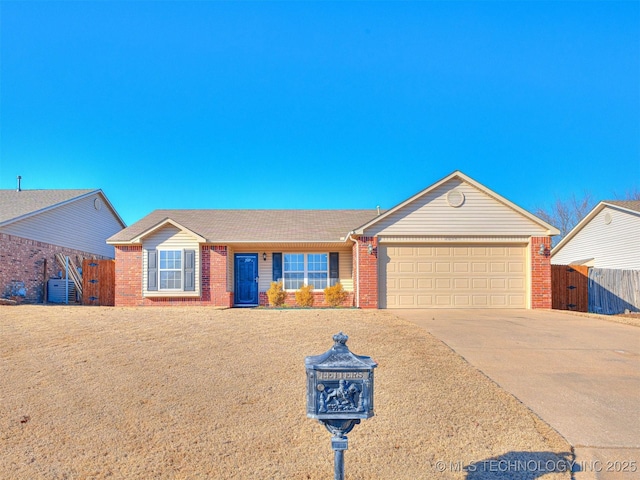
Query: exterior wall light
[370,249]
[542,250]
[264,256]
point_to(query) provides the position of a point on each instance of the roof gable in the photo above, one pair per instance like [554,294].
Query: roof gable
[162,225]
[457,205]
[630,207]
[18,205]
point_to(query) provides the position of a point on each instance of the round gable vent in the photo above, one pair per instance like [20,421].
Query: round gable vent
[607,218]
[455,198]
[97,204]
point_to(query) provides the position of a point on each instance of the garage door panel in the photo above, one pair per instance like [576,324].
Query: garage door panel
[443,300]
[424,267]
[442,267]
[461,300]
[477,267]
[489,276]
[479,300]
[516,267]
[516,301]
[497,267]
[480,283]
[498,300]
[406,267]
[425,300]
[459,267]
[407,300]
[407,283]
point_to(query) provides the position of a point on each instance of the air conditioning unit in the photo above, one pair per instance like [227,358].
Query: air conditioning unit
[56,289]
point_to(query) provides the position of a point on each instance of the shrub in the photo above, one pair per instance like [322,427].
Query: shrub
[276,294]
[304,297]
[335,295]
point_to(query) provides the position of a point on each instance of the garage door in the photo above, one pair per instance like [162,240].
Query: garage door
[461,276]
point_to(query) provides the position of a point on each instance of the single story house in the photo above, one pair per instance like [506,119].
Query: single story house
[603,252]
[455,244]
[35,225]
[606,238]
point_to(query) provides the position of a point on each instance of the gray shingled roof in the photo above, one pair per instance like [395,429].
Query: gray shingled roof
[235,226]
[628,204]
[14,204]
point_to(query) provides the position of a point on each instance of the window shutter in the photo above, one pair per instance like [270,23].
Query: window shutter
[334,269]
[189,270]
[277,266]
[152,270]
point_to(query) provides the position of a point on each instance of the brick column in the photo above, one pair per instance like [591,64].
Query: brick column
[220,295]
[128,275]
[368,266]
[540,273]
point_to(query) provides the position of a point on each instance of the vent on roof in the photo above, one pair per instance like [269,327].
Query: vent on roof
[19,189]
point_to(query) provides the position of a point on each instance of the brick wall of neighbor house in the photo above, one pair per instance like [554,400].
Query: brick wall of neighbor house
[540,273]
[22,260]
[368,281]
[213,280]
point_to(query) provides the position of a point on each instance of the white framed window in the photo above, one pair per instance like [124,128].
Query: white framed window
[170,269]
[305,269]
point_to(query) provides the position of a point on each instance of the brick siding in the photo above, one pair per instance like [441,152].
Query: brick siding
[540,273]
[22,260]
[213,279]
[368,272]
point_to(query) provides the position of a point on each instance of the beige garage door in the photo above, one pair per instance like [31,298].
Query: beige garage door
[461,276]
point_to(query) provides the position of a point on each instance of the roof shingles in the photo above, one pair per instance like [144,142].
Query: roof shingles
[628,204]
[237,226]
[15,204]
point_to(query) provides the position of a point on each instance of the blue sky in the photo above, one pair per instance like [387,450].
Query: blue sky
[318,104]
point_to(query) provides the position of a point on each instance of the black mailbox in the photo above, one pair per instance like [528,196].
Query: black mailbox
[339,393]
[339,383]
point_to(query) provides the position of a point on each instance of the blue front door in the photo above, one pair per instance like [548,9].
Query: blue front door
[246,279]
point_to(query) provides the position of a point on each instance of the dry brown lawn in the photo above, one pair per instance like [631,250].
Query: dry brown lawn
[90,392]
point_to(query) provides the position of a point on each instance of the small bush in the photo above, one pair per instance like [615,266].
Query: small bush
[276,294]
[335,295]
[304,297]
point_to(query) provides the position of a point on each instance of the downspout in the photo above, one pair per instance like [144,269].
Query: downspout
[355,241]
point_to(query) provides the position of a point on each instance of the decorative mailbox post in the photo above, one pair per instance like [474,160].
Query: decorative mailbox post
[339,393]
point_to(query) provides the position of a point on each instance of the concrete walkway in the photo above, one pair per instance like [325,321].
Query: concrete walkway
[579,374]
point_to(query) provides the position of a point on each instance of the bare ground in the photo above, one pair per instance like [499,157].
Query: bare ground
[90,392]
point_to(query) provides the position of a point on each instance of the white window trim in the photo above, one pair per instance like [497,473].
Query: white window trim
[181,289]
[305,280]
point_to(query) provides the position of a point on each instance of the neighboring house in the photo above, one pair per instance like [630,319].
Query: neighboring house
[608,237]
[35,225]
[607,247]
[454,244]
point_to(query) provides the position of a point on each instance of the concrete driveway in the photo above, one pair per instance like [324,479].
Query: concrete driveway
[579,374]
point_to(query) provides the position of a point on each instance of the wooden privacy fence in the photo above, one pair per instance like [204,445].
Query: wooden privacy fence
[570,287]
[614,291]
[98,282]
